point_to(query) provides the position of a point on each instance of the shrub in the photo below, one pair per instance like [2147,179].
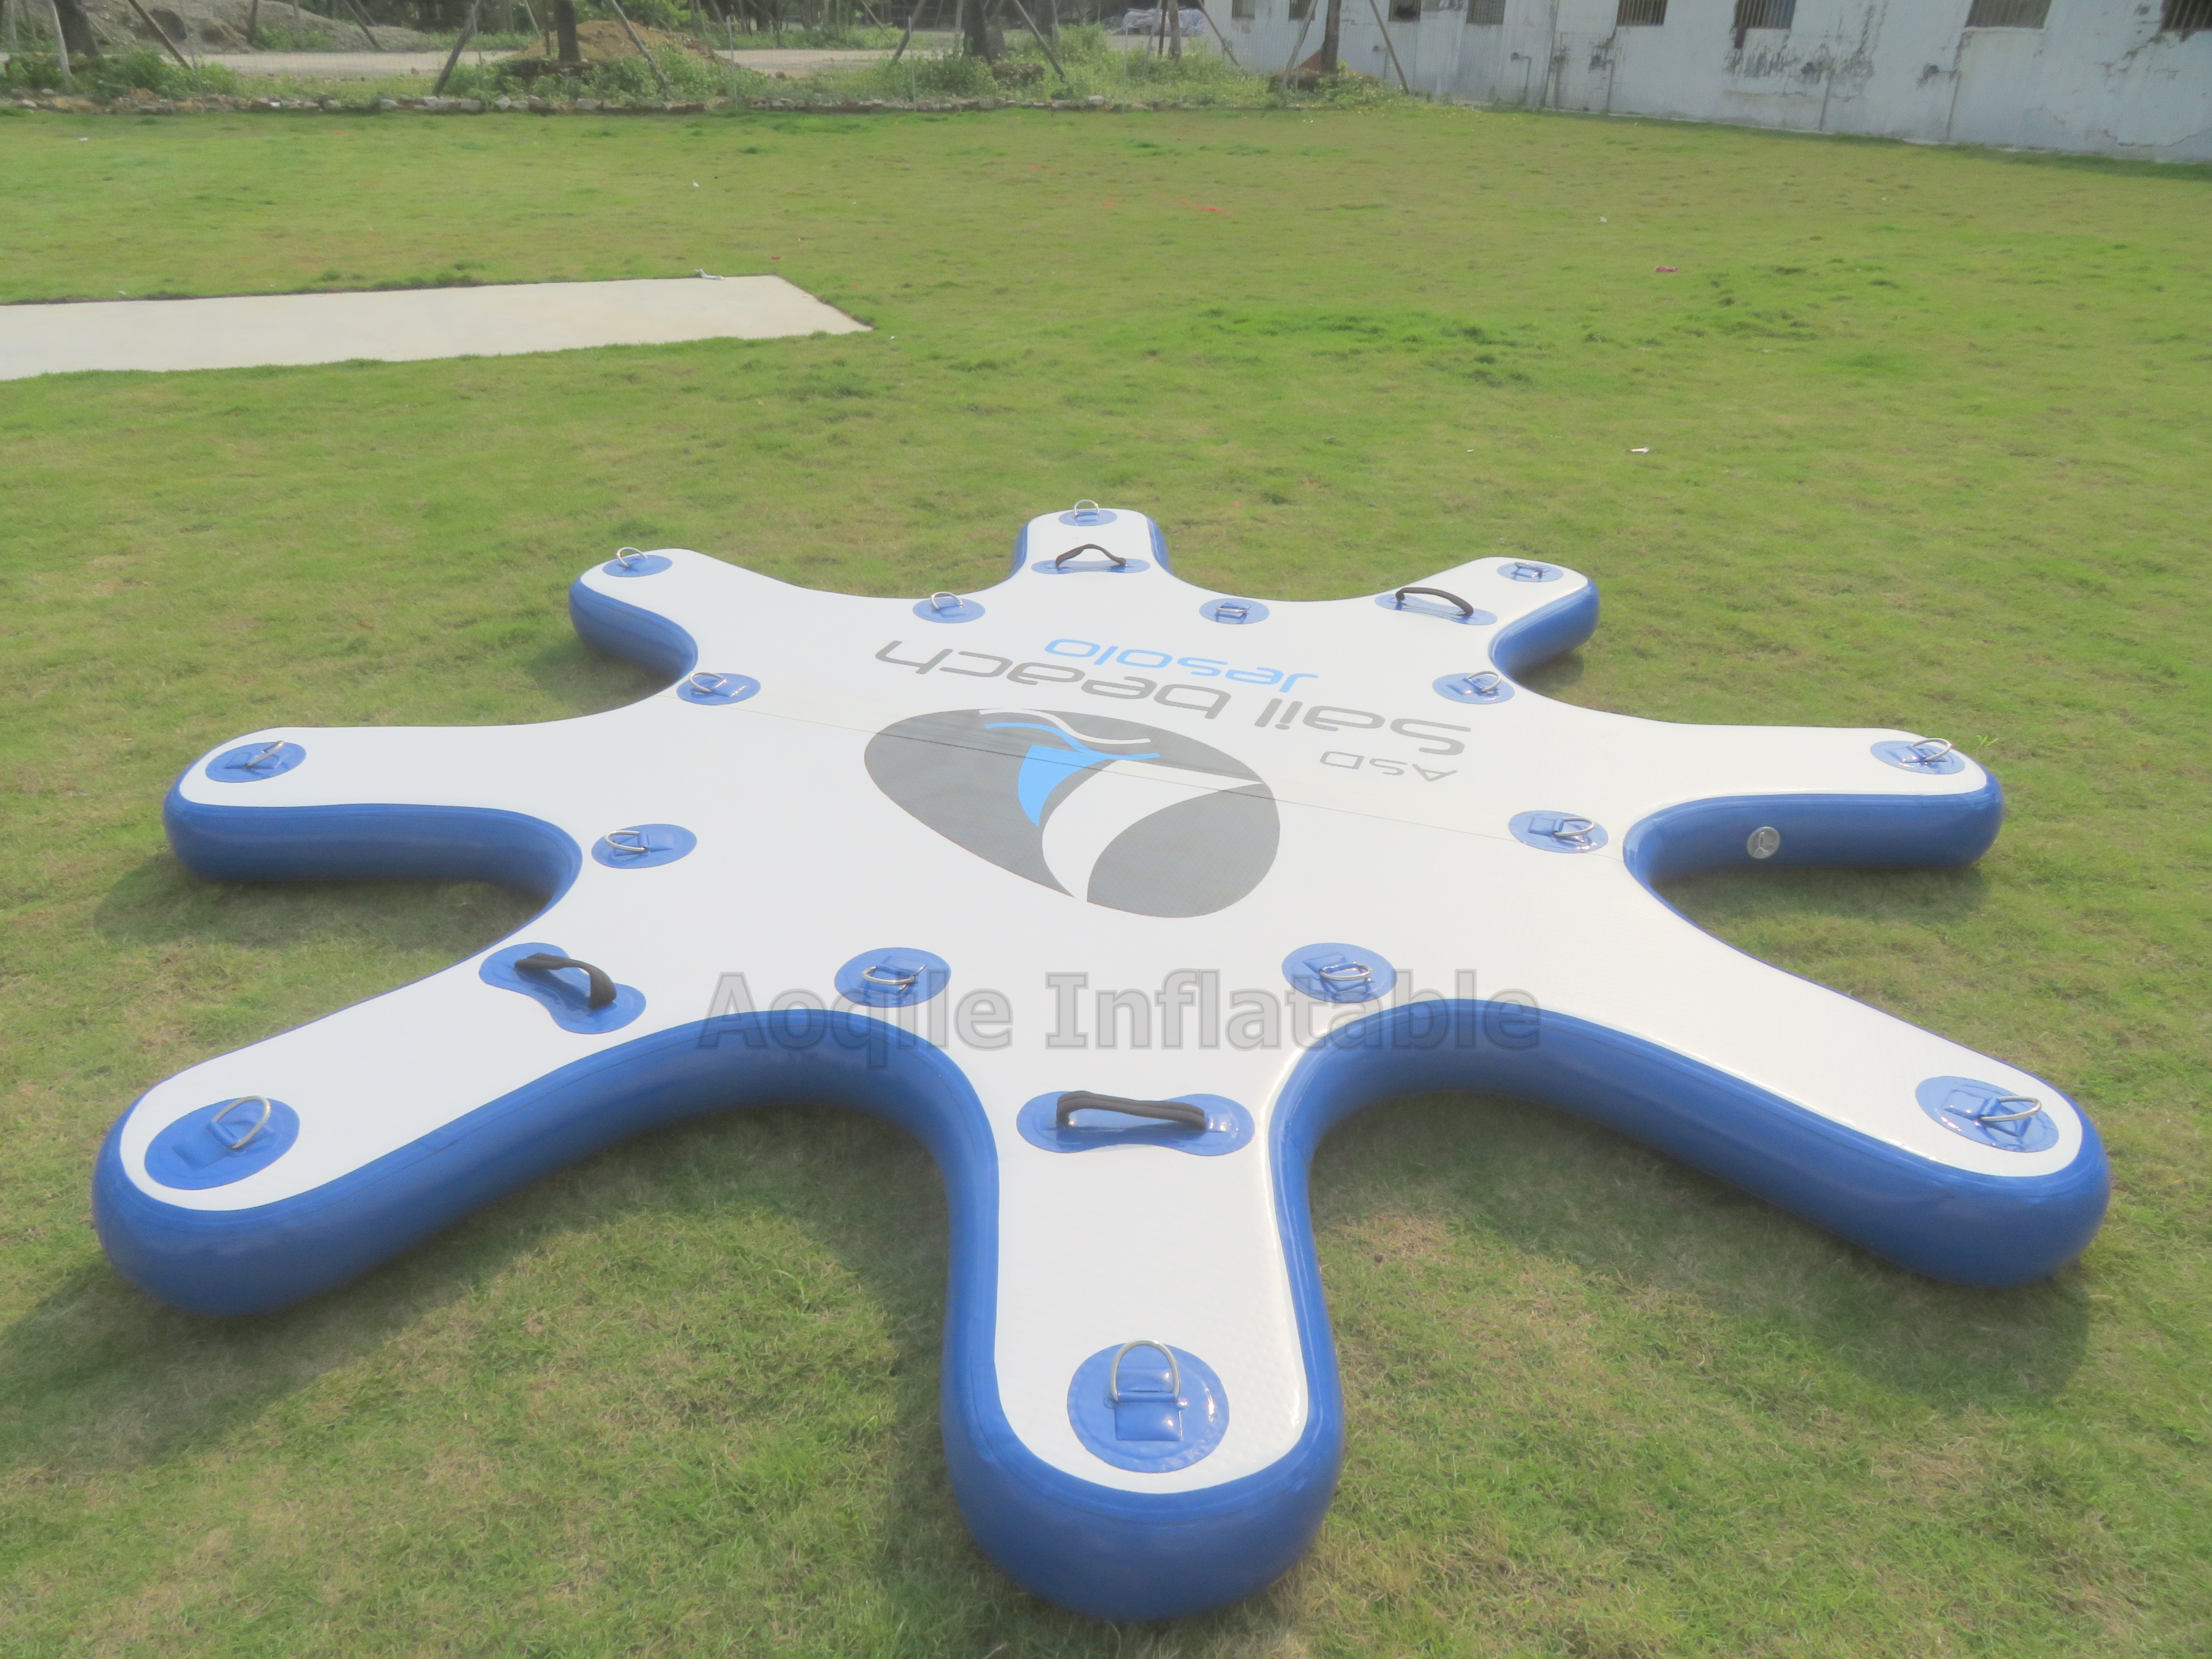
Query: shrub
[151,70]
[625,81]
[33,71]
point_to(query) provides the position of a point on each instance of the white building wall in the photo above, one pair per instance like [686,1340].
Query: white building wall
[2098,76]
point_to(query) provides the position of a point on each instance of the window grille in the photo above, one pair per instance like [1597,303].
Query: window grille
[2008,14]
[1635,14]
[2186,16]
[1764,15]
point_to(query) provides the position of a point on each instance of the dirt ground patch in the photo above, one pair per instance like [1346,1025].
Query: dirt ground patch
[605,43]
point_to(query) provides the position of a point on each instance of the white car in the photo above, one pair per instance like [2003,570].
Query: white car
[1190,22]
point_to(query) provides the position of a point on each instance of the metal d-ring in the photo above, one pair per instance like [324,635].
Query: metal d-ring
[1932,751]
[1484,684]
[697,681]
[1465,609]
[1078,509]
[1345,973]
[1233,612]
[625,554]
[636,847]
[893,980]
[1113,1394]
[260,1123]
[2033,1105]
[1527,570]
[274,752]
[935,602]
[1060,564]
[1573,832]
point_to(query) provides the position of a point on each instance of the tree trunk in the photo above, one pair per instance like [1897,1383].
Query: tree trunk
[983,41]
[564,30]
[76,31]
[1331,29]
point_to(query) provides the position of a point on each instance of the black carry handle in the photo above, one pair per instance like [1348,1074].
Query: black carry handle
[1167,1111]
[1060,564]
[543,962]
[1465,609]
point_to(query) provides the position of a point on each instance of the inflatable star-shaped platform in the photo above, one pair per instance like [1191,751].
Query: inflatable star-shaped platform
[1118,893]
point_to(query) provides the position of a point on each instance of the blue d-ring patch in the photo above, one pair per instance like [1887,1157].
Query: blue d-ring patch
[1908,758]
[1331,972]
[1965,1106]
[1155,1426]
[1228,1126]
[197,1152]
[1084,517]
[640,564]
[1529,570]
[716,691]
[893,978]
[643,845]
[1480,685]
[963,611]
[251,763]
[1235,613]
[1558,832]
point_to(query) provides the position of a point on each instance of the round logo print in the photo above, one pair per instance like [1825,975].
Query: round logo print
[1122,815]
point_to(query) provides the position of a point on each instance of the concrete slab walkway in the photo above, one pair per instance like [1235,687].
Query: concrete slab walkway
[404,326]
[374,65]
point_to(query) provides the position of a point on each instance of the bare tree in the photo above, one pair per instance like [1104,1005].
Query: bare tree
[1331,29]
[564,30]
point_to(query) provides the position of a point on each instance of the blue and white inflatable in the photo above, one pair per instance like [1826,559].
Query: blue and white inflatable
[1118,893]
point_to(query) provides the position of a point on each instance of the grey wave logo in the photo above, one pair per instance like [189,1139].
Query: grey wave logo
[1124,815]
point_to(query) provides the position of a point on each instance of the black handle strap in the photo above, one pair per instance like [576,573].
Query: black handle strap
[1120,563]
[1167,1111]
[543,962]
[1465,609]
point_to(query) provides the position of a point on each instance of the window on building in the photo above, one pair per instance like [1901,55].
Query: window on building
[1763,15]
[1405,11]
[1640,13]
[1300,10]
[2008,14]
[1245,9]
[1486,11]
[2186,16]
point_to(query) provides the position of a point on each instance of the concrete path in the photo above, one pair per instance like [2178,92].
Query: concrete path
[372,65]
[404,326]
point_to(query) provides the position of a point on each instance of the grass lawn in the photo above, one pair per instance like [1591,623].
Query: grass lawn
[1927,436]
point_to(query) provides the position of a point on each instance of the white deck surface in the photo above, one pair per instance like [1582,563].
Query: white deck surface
[401,326]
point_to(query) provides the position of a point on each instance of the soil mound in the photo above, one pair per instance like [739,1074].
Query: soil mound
[606,42]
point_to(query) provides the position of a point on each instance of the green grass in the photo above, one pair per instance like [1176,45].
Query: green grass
[1928,447]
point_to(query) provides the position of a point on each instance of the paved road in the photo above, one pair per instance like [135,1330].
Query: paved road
[368,65]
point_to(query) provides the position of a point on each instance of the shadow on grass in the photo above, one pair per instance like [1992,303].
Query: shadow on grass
[1638,1224]
[589,680]
[1929,897]
[160,902]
